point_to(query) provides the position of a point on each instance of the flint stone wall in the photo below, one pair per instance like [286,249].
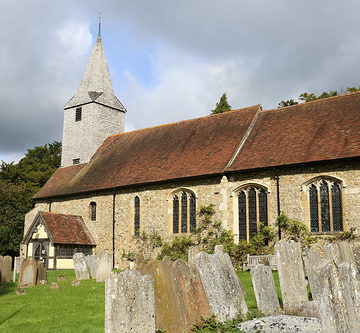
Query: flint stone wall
[264,289]
[291,274]
[80,267]
[222,286]
[129,303]
[103,266]
[180,299]
[28,272]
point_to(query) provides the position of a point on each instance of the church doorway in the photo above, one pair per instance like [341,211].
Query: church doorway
[41,253]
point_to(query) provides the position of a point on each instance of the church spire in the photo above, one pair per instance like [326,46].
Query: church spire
[96,83]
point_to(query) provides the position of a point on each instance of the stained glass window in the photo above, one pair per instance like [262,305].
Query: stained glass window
[336,207]
[242,215]
[184,204]
[252,213]
[192,213]
[175,214]
[314,211]
[93,211]
[137,216]
[263,214]
[324,204]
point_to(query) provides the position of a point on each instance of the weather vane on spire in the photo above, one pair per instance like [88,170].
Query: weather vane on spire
[100,17]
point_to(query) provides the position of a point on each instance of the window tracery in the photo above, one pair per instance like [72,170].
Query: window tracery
[184,212]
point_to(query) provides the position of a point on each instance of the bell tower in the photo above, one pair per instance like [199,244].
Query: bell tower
[93,113]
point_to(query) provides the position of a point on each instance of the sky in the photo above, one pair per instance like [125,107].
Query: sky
[169,60]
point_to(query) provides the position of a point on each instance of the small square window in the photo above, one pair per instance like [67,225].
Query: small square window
[78,114]
[76,160]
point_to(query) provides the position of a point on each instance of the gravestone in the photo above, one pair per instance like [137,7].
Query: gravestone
[81,269]
[61,278]
[54,286]
[264,289]
[17,265]
[332,253]
[6,269]
[221,284]
[41,272]
[103,266]
[193,251]
[28,272]
[1,264]
[91,264]
[340,298]
[291,275]
[129,303]
[180,299]
[312,260]
[0,282]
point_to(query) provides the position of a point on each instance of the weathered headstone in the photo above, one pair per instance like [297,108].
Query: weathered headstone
[28,272]
[103,266]
[264,289]
[91,263]
[61,278]
[1,287]
[193,251]
[221,284]
[332,253]
[291,275]
[75,283]
[346,252]
[54,285]
[1,264]
[129,303]
[81,269]
[17,265]
[312,260]
[339,300]
[41,272]
[6,268]
[179,282]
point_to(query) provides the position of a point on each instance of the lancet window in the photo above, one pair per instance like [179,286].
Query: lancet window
[252,211]
[325,205]
[137,216]
[184,212]
[93,211]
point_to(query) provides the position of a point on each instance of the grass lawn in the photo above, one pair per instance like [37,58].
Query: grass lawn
[69,309]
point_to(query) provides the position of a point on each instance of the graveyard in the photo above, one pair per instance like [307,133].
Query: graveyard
[69,309]
[310,291]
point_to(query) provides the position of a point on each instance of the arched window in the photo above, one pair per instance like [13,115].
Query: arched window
[184,212]
[252,210]
[137,216]
[325,205]
[93,211]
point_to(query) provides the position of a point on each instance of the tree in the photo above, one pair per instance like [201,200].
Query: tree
[222,105]
[18,183]
[287,103]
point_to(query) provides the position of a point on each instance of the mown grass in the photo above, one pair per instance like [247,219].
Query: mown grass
[67,309]
[70,309]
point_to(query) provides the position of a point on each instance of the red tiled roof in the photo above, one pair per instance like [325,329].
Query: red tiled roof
[66,229]
[326,129]
[194,147]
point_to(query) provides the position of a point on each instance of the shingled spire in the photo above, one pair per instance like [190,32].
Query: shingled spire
[96,83]
[93,113]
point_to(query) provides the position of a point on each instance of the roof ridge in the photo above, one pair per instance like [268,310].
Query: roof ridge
[186,120]
[315,101]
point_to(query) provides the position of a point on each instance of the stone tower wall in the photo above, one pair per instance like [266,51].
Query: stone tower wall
[82,138]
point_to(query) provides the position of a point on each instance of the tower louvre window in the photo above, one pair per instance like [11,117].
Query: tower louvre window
[76,160]
[78,114]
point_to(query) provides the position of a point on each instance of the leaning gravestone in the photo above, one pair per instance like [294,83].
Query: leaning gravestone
[81,269]
[91,264]
[179,282]
[264,289]
[28,273]
[17,265]
[221,284]
[129,303]
[332,253]
[291,275]
[41,272]
[339,300]
[103,266]
[312,260]
[6,269]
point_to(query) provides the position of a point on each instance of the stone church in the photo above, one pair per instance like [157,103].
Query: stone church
[250,163]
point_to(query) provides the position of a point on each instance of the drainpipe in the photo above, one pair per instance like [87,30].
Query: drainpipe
[50,206]
[113,229]
[277,178]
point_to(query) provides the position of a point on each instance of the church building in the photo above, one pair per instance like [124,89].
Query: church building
[250,163]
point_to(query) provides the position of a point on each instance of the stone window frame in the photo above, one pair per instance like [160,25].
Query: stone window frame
[246,188]
[93,211]
[190,227]
[317,181]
